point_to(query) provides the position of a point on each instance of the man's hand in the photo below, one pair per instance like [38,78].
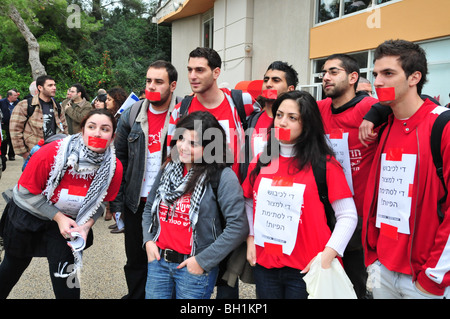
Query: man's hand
[366,134]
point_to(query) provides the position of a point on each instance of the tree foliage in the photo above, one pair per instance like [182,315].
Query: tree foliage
[113,45]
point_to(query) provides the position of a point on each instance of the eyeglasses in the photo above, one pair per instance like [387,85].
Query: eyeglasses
[331,71]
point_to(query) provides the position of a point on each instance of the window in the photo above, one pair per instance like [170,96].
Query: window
[333,9]
[208,29]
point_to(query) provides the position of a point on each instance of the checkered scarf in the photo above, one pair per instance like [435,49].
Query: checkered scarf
[172,186]
[75,157]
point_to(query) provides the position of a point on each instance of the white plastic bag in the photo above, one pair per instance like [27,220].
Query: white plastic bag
[331,283]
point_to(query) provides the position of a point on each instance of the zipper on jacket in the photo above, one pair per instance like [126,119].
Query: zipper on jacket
[413,231]
[377,178]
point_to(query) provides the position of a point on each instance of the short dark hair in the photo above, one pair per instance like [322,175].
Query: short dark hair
[290,74]
[81,89]
[171,71]
[42,79]
[411,56]
[214,60]
[348,63]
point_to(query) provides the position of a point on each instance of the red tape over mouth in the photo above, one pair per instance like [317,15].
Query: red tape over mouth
[270,94]
[385,94]
[97,142]
[283,134]
[152,96]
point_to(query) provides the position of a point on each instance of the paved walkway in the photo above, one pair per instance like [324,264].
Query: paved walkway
[102,275]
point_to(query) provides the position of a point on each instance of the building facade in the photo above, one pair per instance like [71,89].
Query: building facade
[250,34]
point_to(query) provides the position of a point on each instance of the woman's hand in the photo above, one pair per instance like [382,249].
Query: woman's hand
[251,251]
[66,224]
[192,266]
[152,251]
[328,255]
[83,230]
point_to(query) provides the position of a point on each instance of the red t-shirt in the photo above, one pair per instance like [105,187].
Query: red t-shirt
[176,232]
[155,125]
[34,177]
[313,232]
[361,157]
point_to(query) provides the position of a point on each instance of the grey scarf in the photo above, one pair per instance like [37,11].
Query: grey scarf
[172,186]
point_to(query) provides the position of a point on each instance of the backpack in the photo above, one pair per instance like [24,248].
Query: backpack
[435,143]
[31,108]
[320,175]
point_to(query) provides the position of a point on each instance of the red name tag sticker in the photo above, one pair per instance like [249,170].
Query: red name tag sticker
[77,190]
[273,249]
[389,231]
[337,133]
[97,142]
[282,181]
[152,96]
[410,190]
[394,154]
[270,94]
[283,134]
[385,94]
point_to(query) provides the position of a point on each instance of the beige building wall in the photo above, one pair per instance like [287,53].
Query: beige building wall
[248,35]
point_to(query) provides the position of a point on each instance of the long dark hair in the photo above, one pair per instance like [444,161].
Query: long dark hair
[310,146]
[216,154]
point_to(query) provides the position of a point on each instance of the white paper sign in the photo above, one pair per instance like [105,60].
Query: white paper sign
[69,204]
[394,200]
[342,154]
[151,170]
[277,214]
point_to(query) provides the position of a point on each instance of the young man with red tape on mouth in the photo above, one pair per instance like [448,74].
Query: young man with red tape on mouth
[342,112]
[406,244]
[140,145]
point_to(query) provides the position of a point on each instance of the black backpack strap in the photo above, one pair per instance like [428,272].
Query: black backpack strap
[214,181]
[435,143]
[185,105]
[236,95]
[248,154]
[134,111]
[30,108]
[320,174]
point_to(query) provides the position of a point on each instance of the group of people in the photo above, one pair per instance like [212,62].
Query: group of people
[221,186]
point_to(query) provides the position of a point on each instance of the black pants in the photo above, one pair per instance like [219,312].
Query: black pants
[25,237]
[136,265]
[355,269]
[7,147]
[12,268]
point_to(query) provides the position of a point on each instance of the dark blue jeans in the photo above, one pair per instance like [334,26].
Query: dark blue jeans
[279,283]
[166,281]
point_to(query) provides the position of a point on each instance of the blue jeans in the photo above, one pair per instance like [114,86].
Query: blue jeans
[279,283]
[165,281]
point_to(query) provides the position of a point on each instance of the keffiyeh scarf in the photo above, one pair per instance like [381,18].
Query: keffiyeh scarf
[172,186]
[74,156]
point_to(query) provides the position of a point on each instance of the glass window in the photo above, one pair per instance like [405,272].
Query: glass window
[438,70]
[351,6]
[208,34]
[208,29]
[328,9]
[333,9]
